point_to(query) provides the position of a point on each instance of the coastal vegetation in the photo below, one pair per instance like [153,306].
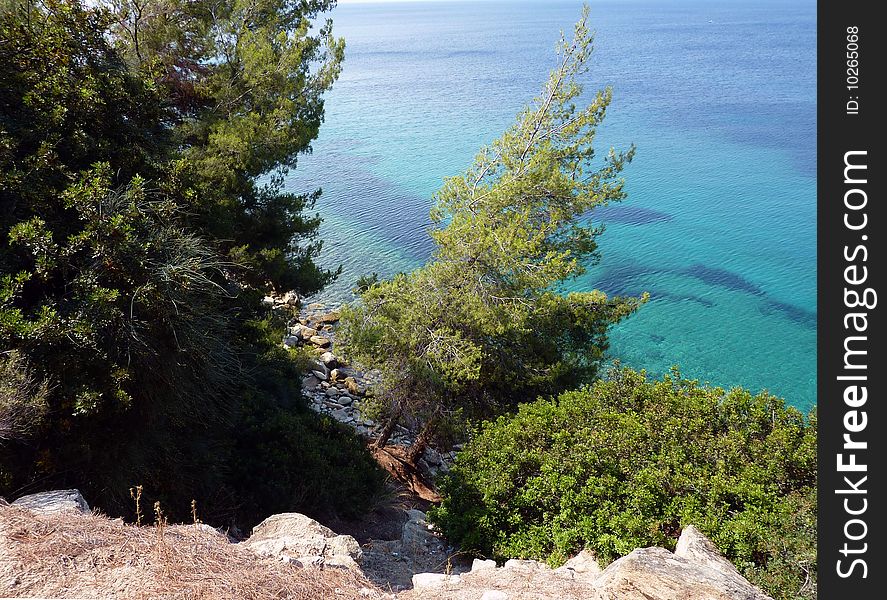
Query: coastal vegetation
[142,146]
[629,462]
[459,337]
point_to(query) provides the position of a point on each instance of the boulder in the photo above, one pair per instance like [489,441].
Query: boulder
[657,574]
[319,341]
[307,332]
[293,535]
[416,533]
[698,549]
[54,501]
[330,317]
[292,341]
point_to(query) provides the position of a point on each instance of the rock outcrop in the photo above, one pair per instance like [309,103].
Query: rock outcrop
[295,538]
[417,566]
[695,571]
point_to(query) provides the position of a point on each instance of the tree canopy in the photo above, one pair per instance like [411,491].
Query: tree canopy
[484,324]
[142,217]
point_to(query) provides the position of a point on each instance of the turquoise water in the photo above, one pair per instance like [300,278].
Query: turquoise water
[719,226]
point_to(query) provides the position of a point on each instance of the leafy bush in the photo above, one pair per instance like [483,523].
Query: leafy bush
[627,463]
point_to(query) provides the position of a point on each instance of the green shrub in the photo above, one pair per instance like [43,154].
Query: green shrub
[628,463]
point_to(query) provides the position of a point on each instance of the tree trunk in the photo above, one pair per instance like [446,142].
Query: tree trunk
[417,450]
[386,432]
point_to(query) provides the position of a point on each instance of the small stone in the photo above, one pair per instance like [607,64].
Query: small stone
[329,359]
[482,565]
[345,399]
[319,340]
[268,301]
[332,392]
[320,375]
[292,341]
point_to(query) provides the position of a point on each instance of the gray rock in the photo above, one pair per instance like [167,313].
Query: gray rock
[310,383]
[332,392]
[292,341]
[291,299]
[345,399]
[54,501]
[657,574]
[320,375]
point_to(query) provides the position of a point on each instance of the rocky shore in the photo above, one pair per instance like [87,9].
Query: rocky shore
[335,388]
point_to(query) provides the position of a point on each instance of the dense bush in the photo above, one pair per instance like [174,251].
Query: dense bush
[627,463]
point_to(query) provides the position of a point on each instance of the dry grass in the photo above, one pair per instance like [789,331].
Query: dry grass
[72,555]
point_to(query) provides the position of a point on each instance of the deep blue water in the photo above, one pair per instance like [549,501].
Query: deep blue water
[719,98]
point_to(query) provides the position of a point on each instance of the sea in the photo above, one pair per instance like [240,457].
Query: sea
[720,221]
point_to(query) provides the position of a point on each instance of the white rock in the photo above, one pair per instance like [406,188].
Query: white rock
[54,501]
[482,565]
[432,580]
